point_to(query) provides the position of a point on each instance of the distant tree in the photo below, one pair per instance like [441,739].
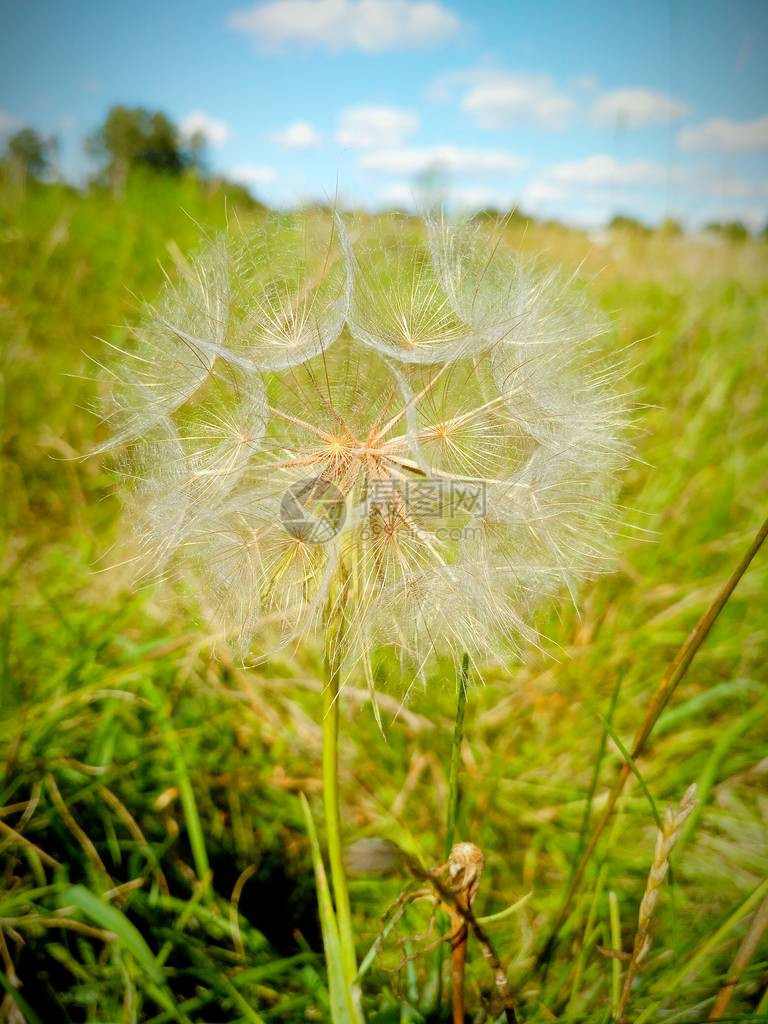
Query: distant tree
[623,222]
[28,155]
[132,137]
[670,226]
[736,230]
[731,230]
[487,213]
[238,195]
[431,186]
[511,217]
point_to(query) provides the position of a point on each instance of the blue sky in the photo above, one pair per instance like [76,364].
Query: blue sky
[570,108]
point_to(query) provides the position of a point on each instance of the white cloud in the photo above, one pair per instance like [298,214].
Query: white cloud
[500,99]
[368,127]
[8,124]
[584,207]
[400,194]
[367,25]
[600,181]
[299,135]
[584,83]
[467,197]
[736,188]
[607,170]
[252,174]
[754,216]
[476,197]
[414,160]
[545,192]
[213,131]
[638,107]
[722,134]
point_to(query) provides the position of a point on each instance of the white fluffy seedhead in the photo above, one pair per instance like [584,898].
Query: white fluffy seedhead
[171,351]
[400,307]
[422,480]
[288,293]
[505,295]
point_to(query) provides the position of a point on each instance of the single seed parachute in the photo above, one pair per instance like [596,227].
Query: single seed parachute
[411,432]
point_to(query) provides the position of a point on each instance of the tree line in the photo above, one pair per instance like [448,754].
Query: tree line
[134,137]
[129,138]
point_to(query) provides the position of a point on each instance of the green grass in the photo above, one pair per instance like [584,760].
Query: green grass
[145,776]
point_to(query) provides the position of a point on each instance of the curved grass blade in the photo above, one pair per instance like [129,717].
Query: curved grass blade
[128,938]
[343,1009]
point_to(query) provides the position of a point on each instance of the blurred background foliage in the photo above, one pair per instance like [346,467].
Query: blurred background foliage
[153,860]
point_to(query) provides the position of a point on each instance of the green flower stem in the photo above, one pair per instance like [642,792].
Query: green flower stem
[332,812]
[452,811]
[458,736]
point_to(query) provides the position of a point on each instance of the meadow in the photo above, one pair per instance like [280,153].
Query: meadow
[155,863]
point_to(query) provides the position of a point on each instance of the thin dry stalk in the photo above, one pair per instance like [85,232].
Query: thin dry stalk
[741,960]
[13,836]
[667,836]
[673,676]
[66,816]
[234,905]
[133,827]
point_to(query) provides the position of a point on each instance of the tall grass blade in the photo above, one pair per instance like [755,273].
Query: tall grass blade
[615,929]
[195,831]
[29,1015]
[191,813]
[343,1009]
[128,937]
[113,920]
[434,994]
[746,951]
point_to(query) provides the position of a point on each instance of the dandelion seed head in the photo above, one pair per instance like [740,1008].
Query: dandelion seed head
[415,437]
[399,305]
[289,291]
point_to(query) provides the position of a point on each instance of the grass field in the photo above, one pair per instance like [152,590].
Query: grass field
[154,860]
